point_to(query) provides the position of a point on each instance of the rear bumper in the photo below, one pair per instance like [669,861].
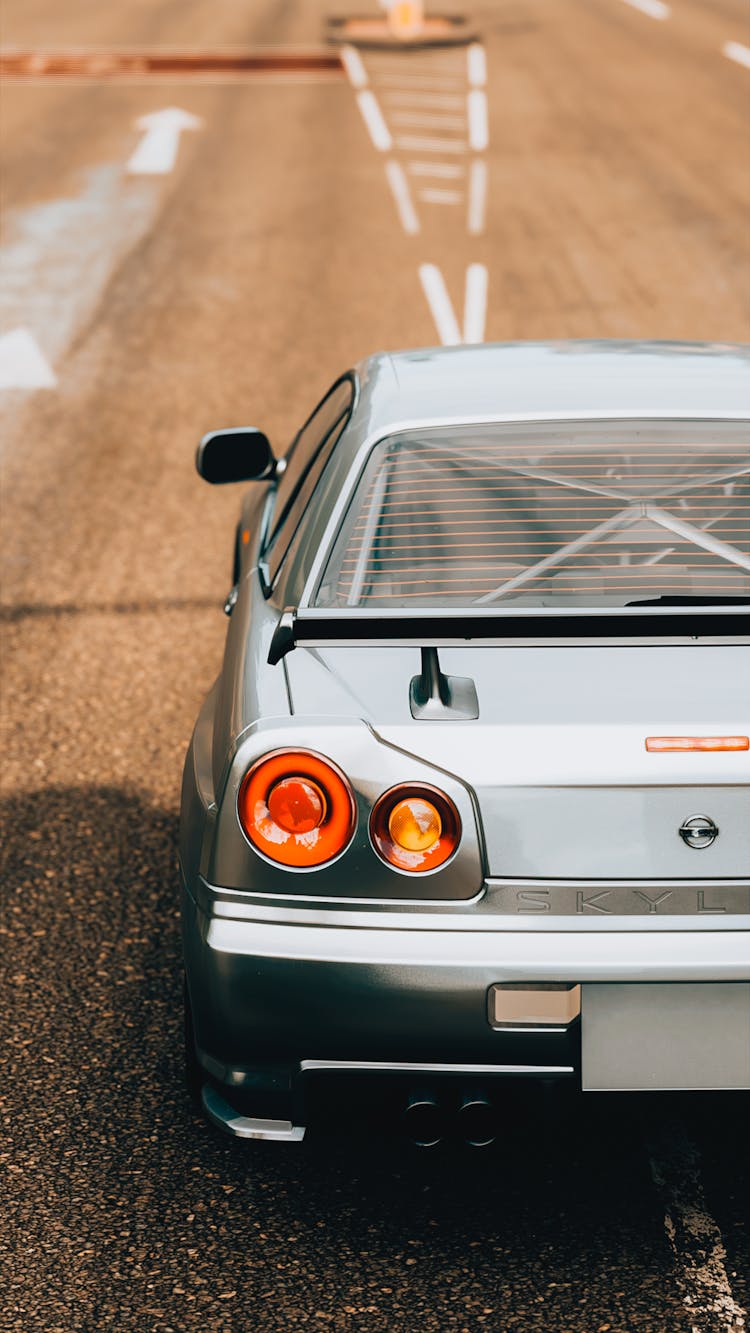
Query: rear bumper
[297,990]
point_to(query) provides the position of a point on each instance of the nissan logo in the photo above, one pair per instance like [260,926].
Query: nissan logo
[698,831]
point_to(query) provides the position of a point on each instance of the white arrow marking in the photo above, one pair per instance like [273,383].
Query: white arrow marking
[22,365]
[441,308]
[156,154]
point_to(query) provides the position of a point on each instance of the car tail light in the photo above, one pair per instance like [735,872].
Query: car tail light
[415,828]
[297,808]
[676,744]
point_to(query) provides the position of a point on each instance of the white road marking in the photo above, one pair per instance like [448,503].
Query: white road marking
[477,198]
[693,1235]
[60,255]
[156,154]
[737,52]
[437,122]
[355,70]
[434,288]
[415,144]
[476,105]
[476,62]
[402,195]
[655,9]
[441,308]
[441,196]
[446,170]
[420,81]
[22,364]
[475,303]
[454,102]
[373,118]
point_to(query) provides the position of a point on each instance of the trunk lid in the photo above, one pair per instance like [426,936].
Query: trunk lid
[564,786]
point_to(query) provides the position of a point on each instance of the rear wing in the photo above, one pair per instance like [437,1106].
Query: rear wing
[316,627]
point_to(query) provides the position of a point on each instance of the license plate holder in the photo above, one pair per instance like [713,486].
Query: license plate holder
[665,1036]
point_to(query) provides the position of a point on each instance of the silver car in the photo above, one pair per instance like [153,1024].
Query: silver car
[469,798]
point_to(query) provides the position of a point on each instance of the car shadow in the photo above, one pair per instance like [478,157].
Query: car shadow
[113,1163]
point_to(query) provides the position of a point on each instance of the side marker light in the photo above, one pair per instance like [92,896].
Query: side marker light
[677,744]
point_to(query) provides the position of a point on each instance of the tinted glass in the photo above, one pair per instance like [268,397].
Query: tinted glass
[306,459]
[535,516]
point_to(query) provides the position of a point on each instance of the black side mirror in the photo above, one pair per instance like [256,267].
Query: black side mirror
[238,454]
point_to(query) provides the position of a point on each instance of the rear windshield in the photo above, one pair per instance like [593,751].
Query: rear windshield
[569,514]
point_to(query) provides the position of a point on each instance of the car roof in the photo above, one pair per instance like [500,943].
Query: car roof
[542,380]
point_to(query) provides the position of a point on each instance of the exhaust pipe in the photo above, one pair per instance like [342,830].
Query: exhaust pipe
[476,1120]
[423,1119]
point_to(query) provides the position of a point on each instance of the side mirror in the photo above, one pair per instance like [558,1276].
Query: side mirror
[239,454]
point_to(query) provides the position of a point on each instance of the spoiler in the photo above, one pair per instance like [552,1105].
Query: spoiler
[317,627]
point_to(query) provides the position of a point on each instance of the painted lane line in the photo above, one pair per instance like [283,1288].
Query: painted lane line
[22,363]
[355,70]
[477,198]
[737,52]
[417,145]
[655,9]
[694,1237]
[156,154]
[452,103]
[402,195]
[417,81]
[479,132]
[417,118]
[434,288]
[475,303]
[445,170]
[373,118]
[476,62]
[441,196]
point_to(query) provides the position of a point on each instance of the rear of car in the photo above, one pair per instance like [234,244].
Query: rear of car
[516,704]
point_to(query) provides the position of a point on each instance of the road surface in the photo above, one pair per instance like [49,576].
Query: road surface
[582,171]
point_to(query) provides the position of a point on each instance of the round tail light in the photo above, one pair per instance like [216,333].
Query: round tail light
[415,828]
[297,808]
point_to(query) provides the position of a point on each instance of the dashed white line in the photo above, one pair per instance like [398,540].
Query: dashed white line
[477,198]
[476,106]
[693,1235]
[476,62]
[418,118]
[446,170]
[453,102]
[656,9]
[475,303]
[414,144]
[402,195]
[355,70]
[441,196]
[433,285]
[373,118]
[420,81]
[737,52]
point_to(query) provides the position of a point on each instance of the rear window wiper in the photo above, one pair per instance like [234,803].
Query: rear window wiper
[687,599]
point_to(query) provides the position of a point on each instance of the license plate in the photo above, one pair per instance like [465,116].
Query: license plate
[665,1036]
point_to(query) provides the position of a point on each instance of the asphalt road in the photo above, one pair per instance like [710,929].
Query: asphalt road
[612,198]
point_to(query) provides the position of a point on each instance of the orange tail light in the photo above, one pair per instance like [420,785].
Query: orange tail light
[675,744]
[415,827]
[297,808]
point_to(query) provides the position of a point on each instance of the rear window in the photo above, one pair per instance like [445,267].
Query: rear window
[547,516]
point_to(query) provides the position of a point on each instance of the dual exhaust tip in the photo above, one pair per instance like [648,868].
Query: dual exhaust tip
[427,1120]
